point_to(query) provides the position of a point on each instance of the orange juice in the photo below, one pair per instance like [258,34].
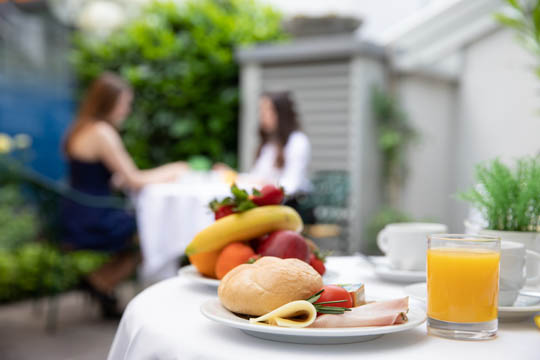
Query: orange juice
[462,284]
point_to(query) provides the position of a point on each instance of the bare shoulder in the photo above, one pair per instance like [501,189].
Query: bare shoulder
[105,132]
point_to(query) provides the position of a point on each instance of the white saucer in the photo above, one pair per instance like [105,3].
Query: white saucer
[386,272]
[524,307]
[191,273]
[213,310]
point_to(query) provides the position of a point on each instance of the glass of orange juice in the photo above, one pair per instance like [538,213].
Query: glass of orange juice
[463,286]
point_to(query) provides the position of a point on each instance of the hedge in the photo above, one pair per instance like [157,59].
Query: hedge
[180,62]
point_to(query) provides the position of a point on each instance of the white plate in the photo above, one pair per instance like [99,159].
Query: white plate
[524,307]
[191,273]
[386,272]
[213,310]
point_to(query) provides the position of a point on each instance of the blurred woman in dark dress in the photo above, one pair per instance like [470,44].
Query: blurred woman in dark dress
[97,159]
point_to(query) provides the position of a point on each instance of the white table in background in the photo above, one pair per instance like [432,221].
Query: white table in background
[164,322]
[170,215]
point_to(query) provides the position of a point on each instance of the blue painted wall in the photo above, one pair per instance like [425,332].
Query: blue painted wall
[43,112]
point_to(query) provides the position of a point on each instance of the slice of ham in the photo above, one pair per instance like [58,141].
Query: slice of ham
[381,313]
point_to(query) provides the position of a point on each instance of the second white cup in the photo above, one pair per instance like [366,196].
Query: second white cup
[405,244]
[514,260]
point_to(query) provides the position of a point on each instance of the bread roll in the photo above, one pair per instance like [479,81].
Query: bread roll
[256,289]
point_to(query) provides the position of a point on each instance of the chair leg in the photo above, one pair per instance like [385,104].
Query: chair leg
[37,307]
[344,239]
[52,313]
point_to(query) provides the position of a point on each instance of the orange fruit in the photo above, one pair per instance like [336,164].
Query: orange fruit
[205,262]
[231,256]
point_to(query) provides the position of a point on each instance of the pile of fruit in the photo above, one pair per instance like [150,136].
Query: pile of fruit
[247,227]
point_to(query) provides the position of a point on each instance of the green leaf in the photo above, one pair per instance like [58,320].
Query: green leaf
[314,298]
[240,201]
[537,71]
[245,206]
[536,19]
[514,4]
[509,21]
[238,193]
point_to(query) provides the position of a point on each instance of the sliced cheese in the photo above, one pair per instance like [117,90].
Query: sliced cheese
[296,314]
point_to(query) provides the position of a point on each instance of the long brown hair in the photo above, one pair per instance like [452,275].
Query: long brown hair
[287,123]
[98,103]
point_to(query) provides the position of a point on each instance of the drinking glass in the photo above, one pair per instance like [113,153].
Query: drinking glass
[463,285]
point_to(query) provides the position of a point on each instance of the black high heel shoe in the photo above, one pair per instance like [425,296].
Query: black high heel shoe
[108,302]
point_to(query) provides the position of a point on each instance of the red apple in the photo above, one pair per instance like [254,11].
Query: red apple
[284,244]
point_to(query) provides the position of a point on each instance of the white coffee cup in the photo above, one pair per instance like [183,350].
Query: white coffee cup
[515,259]
[531,241]
[405,244]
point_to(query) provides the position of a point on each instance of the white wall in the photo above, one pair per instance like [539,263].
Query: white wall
[250,89]
[364,162]
[499,109]
[430,106]
[494,111]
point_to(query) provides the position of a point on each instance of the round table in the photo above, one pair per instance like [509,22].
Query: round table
[168,217]
[164,322]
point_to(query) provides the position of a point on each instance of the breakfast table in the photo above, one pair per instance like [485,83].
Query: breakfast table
[164,322]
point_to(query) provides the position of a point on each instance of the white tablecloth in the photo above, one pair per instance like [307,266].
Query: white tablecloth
[164,322]
[169,216]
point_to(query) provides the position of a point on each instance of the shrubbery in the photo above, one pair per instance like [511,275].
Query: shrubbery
[180,61]
[19,223]
[29,266]
[38,269]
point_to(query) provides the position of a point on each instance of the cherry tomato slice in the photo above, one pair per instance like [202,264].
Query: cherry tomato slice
[333,293]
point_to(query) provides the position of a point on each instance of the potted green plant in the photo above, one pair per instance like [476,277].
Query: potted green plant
[508,199]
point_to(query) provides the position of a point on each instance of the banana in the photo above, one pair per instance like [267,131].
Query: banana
[296,314]
[245,226]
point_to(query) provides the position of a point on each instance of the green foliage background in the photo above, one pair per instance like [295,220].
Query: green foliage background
[524,17]
[395,134]
[37,269]
[180,62]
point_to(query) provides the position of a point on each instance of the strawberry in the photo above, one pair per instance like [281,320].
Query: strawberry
[241,200]
[222,211]
[268,195]
[238,202]
[317,263]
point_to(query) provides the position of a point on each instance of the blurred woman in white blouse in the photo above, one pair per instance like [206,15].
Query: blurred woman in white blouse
[284,151]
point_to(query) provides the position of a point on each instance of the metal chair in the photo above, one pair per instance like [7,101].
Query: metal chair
[329,201]
[47,195]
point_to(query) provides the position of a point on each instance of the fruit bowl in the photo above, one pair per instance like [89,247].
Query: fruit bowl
[191,273]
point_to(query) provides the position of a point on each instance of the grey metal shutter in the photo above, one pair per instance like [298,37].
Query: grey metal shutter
[321,93]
